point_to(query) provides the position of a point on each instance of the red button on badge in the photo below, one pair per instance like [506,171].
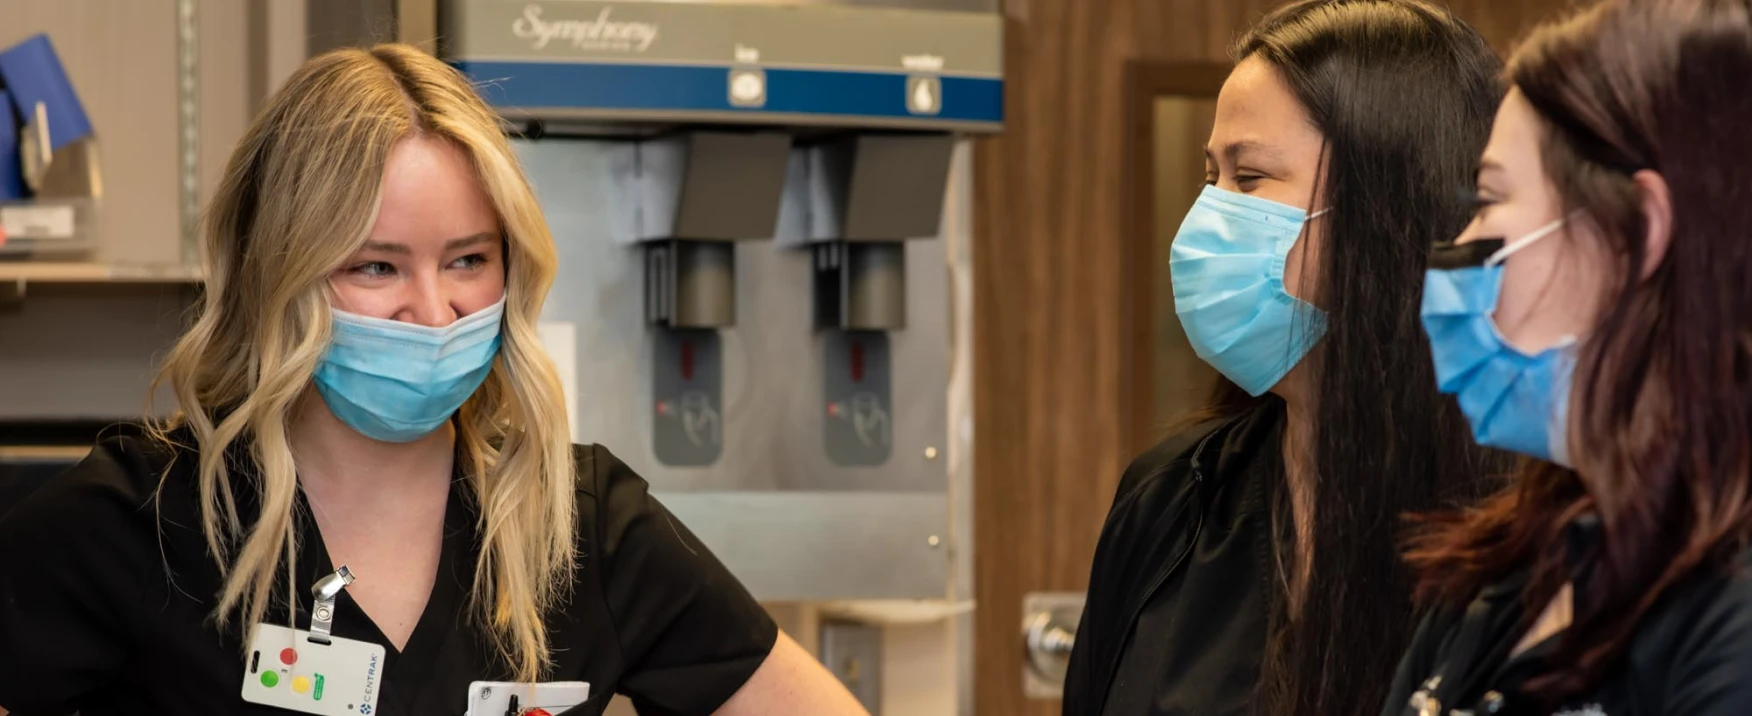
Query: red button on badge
[288,656]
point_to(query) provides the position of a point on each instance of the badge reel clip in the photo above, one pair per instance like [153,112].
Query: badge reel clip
[322,612]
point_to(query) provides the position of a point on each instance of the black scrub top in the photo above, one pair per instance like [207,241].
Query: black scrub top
[1199,639]
[105,607]
[1184,582]
[1690,654]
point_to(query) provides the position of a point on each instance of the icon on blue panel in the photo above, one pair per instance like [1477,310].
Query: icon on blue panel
[924,95]
[748,88]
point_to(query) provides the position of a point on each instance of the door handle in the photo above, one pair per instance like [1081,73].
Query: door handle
[1049,631]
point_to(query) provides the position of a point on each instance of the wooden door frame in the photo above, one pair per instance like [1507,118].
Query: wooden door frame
[1145,82]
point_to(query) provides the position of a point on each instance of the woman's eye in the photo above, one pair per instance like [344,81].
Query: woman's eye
[1481,202]
[471,261]
[1247,180]
[372,269]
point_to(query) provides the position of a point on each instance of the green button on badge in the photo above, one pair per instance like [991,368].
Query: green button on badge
[270,679]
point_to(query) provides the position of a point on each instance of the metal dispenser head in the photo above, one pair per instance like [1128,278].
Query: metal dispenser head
[854,200]
[690,284]
[685,199]
[688,197]
[860,286]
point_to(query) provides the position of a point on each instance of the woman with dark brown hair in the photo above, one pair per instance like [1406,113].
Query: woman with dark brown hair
[1610,252]
[1248,564]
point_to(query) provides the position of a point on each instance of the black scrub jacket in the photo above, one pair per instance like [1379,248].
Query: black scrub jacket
[1183,584]
[90,620]
[1690,655]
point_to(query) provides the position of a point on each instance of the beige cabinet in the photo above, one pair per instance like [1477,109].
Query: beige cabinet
[73,343]
[122,57]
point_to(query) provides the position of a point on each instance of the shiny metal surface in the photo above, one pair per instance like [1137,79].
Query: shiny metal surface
[948,5]
[807,547]
[874,287]
[772,355]
[188,65]
[789,521]
[853,653]
[1049,630]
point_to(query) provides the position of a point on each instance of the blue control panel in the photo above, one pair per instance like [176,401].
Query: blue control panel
[771,64]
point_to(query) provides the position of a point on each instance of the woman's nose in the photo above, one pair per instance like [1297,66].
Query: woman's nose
[430,306]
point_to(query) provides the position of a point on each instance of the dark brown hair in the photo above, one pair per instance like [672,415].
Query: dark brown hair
[1402,92]
[1662,404]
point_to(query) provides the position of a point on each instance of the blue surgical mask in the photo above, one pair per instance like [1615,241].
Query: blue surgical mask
[1227,264]
[1514,401]
[395,381]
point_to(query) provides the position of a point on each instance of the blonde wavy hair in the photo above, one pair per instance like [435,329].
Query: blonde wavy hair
[299,196]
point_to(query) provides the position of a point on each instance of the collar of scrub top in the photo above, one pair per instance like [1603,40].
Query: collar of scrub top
[322,612]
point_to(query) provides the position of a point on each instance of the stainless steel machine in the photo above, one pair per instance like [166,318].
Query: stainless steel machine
[754,299]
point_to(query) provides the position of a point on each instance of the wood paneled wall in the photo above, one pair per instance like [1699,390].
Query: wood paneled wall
[1052,403]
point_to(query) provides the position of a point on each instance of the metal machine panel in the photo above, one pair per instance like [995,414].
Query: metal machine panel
[913,64]
[771,413]
[853,652]
[813,546]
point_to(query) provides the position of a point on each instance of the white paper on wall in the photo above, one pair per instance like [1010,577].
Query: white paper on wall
[560,338]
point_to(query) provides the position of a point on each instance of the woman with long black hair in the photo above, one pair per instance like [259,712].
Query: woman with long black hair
[1597,317]
[1248,563]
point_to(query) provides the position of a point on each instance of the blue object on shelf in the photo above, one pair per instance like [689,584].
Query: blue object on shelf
[32,73]
[11,170]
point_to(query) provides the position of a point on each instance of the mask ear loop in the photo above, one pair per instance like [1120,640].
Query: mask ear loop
[1316,214]
[1506,251]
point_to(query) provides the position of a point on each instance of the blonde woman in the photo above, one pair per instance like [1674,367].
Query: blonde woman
[363,388]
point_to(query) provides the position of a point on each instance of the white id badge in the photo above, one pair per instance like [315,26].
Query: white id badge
[493,698]
[286,669]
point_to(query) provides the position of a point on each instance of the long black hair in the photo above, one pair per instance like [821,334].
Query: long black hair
[1404,94]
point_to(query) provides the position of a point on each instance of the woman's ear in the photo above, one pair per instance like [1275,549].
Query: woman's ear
[1657,209]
